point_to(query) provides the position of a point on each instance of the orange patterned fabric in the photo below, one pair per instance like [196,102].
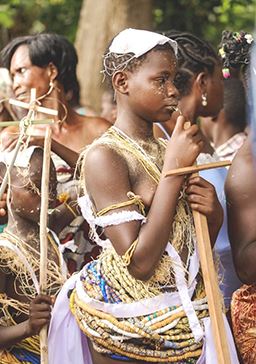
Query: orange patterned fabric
[243,311]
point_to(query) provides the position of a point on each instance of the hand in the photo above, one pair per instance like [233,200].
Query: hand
[202,197]
[3,205]
[10,141]
[185,144]
[39,314]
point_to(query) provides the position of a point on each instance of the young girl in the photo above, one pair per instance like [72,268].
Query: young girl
[143,300]
[23,312]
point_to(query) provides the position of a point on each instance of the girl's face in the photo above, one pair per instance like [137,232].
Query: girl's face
[152,94]
[26,76]
[26,191]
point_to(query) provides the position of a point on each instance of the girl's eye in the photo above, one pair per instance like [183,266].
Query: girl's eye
[22,70]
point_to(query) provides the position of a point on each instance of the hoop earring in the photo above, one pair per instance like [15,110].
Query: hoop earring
[204,100]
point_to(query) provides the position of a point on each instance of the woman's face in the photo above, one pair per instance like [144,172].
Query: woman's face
[26,76]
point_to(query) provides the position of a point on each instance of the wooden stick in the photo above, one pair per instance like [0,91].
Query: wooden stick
[43,235]
[34,122]
[197,168]
[211,288]
[25,105]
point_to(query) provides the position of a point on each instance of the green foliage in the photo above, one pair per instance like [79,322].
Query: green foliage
[20,17]
[205,19]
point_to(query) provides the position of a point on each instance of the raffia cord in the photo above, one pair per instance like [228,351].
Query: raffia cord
[9,262]
[120,286]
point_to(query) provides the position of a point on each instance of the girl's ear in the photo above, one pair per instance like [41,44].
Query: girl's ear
[52,71]
[120,83]
[201,82]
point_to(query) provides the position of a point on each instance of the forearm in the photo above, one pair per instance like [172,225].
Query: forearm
[12,335]
[154,235]
[68,155]
[62,216]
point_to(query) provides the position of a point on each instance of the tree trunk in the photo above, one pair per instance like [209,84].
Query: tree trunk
[100,21]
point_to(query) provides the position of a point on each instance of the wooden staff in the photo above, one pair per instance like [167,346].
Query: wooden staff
[43,235]
[208,270]
[24,124]
[198,168]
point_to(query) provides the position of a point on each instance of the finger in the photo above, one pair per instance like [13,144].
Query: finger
[200,208]
[36,315]
[193,130]
[196,190]
[179,123]
[41,298]
[199,181]
[197,199]
[40,307]
[2,212]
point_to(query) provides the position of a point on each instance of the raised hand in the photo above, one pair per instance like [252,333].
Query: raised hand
[185,144]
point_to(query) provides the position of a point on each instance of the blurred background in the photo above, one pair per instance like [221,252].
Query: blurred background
[91,24]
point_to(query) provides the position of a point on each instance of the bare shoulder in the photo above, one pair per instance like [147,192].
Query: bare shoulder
[106,175]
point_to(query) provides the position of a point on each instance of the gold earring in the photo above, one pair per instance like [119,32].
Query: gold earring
[204,100]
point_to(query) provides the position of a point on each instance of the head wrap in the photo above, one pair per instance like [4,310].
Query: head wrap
[139,42]
[134,43]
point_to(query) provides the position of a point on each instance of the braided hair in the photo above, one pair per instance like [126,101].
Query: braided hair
[113,62]
[194,56]
[235,49]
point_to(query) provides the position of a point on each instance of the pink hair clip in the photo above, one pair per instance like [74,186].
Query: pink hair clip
[226,73]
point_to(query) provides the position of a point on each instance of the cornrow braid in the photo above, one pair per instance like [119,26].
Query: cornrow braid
[235,50]
[194,56]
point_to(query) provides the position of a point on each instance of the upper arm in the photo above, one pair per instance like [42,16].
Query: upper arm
[107,183]
[241,205]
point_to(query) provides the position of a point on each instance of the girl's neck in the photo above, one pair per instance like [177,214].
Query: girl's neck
[134,126]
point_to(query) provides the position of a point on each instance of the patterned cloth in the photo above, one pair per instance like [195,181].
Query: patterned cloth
[227,150]
[243,311]
[78,248]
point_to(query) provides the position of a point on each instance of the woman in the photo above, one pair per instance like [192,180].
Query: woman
[48,62]
[142,299]
[200,83]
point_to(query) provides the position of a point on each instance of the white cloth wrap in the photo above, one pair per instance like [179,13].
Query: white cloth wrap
[66,349]
[139,42]
[115,218]
[22,159]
